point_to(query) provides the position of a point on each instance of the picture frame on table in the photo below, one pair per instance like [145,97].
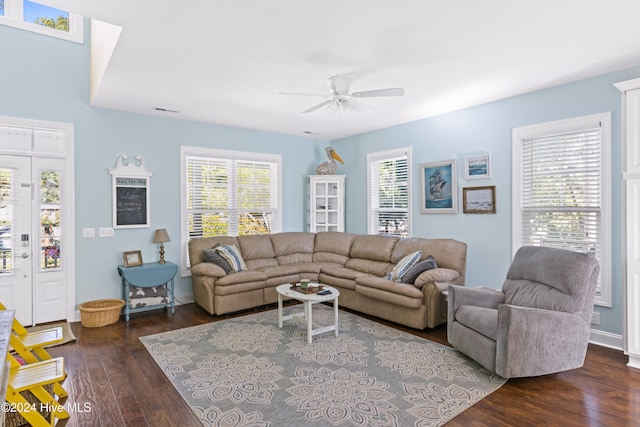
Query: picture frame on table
[479,200]
[439,189]
[132,258]
[477,167]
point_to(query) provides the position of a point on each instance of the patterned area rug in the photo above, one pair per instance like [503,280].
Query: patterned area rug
[247,372]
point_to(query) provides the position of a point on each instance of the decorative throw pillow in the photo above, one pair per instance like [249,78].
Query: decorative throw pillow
[212,256]
[412,274]
[232,255]
[404,265]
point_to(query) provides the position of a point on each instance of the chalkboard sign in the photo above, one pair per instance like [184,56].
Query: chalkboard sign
[131,205]
[130,194]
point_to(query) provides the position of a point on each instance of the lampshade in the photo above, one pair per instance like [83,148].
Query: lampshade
[161,236]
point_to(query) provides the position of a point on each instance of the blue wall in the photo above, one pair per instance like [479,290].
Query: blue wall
[487,129]
[48,79]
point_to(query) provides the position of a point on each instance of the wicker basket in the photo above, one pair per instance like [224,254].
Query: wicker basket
[102,312]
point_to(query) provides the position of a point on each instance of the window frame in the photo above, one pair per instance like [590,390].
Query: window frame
[14,17]
[604,296]
[236,156]
[379,156]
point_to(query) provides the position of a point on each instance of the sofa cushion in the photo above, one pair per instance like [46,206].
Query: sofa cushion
[257,251]
[242,277]
[332,246]
[279,270]
[373,247]
[412,274]
[293,247]
[403,266]
[389,285]
[343,272]
[385,290]
[233,256]
[480,319]
[211,255]
[256,246]
[377,268]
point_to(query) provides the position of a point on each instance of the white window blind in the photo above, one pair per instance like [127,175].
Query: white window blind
[230,196]
[561,190]
[389,193]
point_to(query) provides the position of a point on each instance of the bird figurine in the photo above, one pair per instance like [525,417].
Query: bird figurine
[329,168]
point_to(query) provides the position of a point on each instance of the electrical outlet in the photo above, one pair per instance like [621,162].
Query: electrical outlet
[595,318]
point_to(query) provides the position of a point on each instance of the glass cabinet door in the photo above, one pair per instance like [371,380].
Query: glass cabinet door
[327,203]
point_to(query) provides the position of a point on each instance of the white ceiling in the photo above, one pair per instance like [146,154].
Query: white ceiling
[225,62]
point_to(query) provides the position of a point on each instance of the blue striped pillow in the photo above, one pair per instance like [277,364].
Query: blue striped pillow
[404,265]
[232,255]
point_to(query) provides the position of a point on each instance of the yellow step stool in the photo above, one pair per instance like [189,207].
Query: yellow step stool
[33,377]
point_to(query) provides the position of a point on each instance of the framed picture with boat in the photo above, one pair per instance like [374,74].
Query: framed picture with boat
[439,187]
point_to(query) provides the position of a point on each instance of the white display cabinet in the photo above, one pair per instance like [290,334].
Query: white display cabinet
[631,180]
[327,203]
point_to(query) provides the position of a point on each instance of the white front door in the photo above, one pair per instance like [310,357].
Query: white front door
[31,267]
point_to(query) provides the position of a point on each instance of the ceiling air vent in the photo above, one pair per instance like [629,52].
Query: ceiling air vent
[165,110]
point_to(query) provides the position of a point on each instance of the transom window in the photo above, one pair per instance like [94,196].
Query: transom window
[562,186]
[388,192]
[36,17]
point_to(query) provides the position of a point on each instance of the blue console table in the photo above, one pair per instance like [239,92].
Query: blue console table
[148,276]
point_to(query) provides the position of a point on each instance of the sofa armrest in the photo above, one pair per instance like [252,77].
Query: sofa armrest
[533,341]
[207,269]
[438,274]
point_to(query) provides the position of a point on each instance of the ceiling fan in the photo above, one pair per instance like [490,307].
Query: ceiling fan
[343,101]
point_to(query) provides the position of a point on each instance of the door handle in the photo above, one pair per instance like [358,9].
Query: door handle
[24,255]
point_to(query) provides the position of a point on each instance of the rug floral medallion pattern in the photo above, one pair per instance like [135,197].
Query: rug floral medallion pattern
[246,371]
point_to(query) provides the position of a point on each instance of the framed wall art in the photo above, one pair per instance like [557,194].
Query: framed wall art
[439,187]
[130,186]
[479,200]
[477,167]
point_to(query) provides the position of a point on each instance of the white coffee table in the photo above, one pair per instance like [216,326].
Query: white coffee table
[308,300]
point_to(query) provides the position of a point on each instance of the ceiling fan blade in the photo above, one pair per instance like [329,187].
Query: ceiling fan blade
[395,91]
[340,84]
[317,107]
[302,94]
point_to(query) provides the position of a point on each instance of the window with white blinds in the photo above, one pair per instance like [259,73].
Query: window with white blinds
[388,192]
[563,197]
[228,193]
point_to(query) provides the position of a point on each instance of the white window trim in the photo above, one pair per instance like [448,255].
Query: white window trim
[14,17]
[227,154]
[518,134]
[382,155]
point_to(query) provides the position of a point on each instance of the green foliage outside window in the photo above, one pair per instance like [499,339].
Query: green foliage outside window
[60,23]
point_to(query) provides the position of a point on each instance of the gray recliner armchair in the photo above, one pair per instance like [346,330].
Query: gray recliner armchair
[538,324]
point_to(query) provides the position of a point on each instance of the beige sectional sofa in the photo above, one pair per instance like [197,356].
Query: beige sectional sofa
[355,264]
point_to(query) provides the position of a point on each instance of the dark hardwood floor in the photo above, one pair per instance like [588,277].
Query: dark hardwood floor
[112,381]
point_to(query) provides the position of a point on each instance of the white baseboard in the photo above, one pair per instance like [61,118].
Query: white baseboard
[606,339]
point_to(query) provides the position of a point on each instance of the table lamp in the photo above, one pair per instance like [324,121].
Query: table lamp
[161,236]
